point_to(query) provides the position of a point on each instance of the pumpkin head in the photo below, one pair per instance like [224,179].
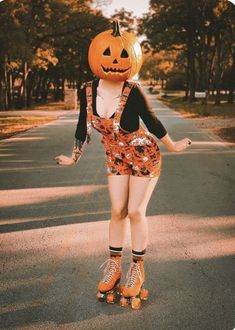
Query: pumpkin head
[115,56]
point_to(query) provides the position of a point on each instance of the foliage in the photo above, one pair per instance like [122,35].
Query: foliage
[44,43]
[205,29]
[159,65]
[126,19]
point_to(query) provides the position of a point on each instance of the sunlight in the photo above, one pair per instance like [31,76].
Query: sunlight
[7,155]
[200,147]
[25,138]
[175,115]
[179,237]
[212,143]
[19,161]
[51,218]
[190,237]
[161,109]
[16,197]
[26,169]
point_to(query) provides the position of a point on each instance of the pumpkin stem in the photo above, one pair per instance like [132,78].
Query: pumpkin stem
[116,29]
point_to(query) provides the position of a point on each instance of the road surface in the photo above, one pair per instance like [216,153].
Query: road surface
[54,225]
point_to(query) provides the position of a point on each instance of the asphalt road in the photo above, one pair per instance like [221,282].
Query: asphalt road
[54,225]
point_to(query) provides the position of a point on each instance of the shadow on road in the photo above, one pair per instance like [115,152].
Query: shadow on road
[183,295]
[54,224]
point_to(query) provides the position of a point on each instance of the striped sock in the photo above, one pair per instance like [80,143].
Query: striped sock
[138,255]
[115,251]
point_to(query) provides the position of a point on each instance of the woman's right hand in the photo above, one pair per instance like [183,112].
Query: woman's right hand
[64,160]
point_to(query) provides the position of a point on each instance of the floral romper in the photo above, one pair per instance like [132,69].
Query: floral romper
[134,153]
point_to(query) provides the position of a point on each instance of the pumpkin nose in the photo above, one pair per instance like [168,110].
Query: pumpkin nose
[115,61]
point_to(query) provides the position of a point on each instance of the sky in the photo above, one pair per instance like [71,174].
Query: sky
[137,6]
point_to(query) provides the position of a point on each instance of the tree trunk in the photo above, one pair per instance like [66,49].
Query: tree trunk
[38,87]
[5,98]
[232,82]
[204,79]
[192,73]
[2,103]
[218,65]
[191,50]
[44,87]
[9,89]
[29,86]
[205,46]
[22,99]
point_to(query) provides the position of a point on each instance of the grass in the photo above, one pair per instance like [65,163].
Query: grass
[50,106]
[11,125]
[227,133]
[197,109]
[14,124]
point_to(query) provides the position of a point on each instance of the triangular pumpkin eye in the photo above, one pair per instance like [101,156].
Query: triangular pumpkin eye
[107,52]
[124,54]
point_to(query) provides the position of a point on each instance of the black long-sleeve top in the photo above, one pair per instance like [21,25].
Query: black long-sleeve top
[137,106]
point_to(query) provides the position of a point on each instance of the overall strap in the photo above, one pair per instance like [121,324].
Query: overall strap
[89,110]
[123,100]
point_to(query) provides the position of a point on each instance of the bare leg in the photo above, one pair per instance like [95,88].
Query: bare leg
[118,191]
[140,191]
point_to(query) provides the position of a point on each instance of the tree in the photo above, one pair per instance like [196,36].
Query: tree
[126,18]
[159,66]
[45,43]
[204,29]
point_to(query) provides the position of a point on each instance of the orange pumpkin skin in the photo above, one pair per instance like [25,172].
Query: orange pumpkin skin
[115,57]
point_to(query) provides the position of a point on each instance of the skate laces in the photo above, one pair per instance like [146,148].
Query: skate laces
[110,269]
[132,275]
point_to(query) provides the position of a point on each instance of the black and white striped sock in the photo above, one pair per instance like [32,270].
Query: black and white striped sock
[138,255]
[115,251]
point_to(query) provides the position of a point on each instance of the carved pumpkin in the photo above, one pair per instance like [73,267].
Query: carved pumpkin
[115,56]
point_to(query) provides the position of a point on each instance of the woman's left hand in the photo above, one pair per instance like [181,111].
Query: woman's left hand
[64,160]
[182,144]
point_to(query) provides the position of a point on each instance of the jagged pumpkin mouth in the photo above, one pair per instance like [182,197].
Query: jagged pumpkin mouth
[114,70]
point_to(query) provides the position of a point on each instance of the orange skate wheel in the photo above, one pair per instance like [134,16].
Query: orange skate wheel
[110,298]
[135,303]
[144,294]
[123,302]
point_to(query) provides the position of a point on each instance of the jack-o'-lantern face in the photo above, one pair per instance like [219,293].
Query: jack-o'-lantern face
[115,56]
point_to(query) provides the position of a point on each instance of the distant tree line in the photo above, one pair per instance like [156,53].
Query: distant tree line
[44,43]
[202,32]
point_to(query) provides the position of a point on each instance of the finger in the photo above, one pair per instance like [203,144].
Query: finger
[188,141]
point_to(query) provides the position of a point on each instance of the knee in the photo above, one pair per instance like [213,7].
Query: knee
[136,214]
[119,213]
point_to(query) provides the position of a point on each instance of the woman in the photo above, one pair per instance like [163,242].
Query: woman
[113,105]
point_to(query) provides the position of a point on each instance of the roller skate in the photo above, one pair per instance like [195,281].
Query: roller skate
[108,287]
[133,291]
